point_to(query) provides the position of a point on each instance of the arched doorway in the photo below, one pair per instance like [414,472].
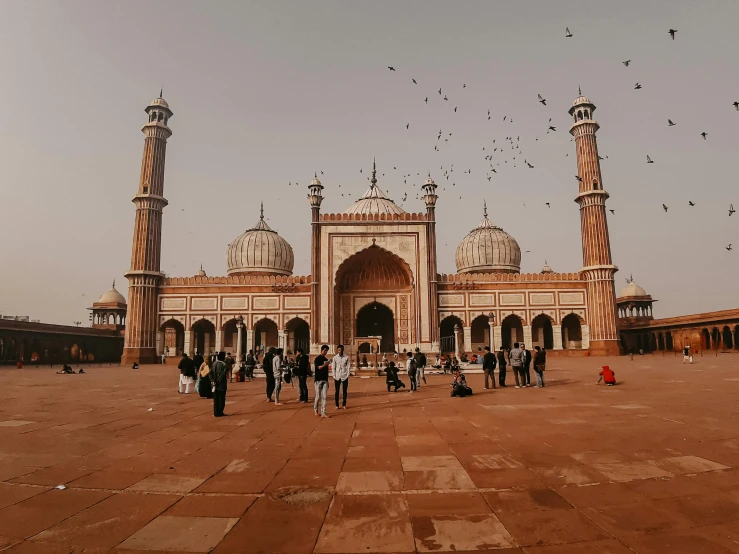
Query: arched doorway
[380,276]
[480,333]
[174,337]
[653,342]
[204,337]
[660,342]
[511,331]
[230,336]
[736,337]
[446,333]
[542,333]
[377,320]
[728,339]
[716,338]
[265,335]
[571,332]
[298,335]
[706,339]
[669,345]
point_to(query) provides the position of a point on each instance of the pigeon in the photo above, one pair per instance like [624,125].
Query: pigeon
[626,63]
[670,123]
[464,86]
[664,207]
[439,92]
[391,68]
[542,101]
[672,33]
[455,109]
[408,126]
[528,164]
[637,86]
[427,100]
[736,105]
[548,205]
[552,128]
[414,81]
[691,203]
[578,178]
[704,135]
[729,248]
[445,98]
[567,33]
[649,160]
[731,210]
[613,212]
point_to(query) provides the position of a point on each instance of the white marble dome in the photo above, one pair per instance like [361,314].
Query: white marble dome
[488,249]
[260,251]
[632,289]
[112,297]
[374,201]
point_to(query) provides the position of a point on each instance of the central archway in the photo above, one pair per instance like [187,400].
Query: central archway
[377,320]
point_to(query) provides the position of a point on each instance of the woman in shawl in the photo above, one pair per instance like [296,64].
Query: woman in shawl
[204,388]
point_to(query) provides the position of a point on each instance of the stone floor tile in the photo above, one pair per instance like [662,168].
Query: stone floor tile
[667,488]
[548,527]
[610,546]
[423,463]
[220,505]
[182,534]
[13,494]
[389,463]
[625,520]
[376,523]
[704,509]
[505,478]
[109,478]
[447,503]
[369,481]
[441,479]
[719,480]
[688,464]
[241,483]
[460,532]
[530,499]
[308,473]
[164,482]
[600,494]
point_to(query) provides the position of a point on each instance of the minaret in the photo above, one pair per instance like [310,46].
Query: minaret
[430,197]
[596,246]
[144,276]
[315,197]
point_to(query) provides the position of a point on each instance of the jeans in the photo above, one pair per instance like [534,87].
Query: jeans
[518,372]
[539,378]
[321,389]
[219,402]
[250,372]
[527,374]
[270,384]
[278,388]
[420,376]
[344,385]
[489,374]
[501,375]
[414,381]
[303,387]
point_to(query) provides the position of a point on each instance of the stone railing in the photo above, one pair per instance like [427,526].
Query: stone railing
[373,217]
[462,278]
[280,281]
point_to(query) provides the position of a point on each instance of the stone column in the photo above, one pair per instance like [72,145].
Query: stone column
[249,339]
[219,340]
[468,339]
[586,337]
[160,343]
[497,337]
[557,336]
[457,341]
[188,343]
[239,336]
[282,339]
[527,339]
[491,333]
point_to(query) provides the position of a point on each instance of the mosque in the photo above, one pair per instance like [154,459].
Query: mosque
[373,283]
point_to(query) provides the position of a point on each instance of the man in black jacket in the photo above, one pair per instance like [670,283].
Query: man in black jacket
[219,376]
[268,372]
[197,361]
[187,374]
[302,369]
[501,367]
[526,366]
[488,367]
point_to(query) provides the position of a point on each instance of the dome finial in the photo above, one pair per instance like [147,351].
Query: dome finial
[315,174]
[261,212]
[579,90]
[485,208]
[113,283]
[374,172]
[161,91]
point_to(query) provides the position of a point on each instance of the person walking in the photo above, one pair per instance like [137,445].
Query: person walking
[277,368]
[197,361]
[420,358]
[219,378]
[187,373]
[540,363]
[501,367]
[488,367]
[516,357]
[250,363]
[230,363]
[269,376]
[340,371]
[320,380]
[205,386]
[686,355]
[302,369]
[526,365]
[412,369]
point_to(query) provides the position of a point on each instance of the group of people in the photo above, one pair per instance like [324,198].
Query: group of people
[520,360]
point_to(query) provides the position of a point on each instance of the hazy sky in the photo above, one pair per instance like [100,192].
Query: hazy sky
[265,93]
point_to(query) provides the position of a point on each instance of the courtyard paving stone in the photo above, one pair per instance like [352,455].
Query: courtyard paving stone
[649,466]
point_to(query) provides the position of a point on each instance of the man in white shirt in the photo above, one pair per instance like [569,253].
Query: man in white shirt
[340,371]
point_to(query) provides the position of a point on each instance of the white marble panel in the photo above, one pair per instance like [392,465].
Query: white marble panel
[174,304]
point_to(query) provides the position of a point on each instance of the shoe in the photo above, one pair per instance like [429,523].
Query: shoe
[315,414]
[278,404]
[518,387]
[326,416]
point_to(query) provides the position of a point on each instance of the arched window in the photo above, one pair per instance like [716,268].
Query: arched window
[587,114]
[579,115]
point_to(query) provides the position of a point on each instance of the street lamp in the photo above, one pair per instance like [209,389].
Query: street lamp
[239,337]
[491,324]
[77,323]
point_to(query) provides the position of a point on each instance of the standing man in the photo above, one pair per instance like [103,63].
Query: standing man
[420,365]
[277,366]
[686,355]
[219,378]
[501,367]
[269,376]
[302,369]
[197,360]
[340,370]
[412,368]
[516,357]
[187,374]
[526,365]
[320,380]
[488,367]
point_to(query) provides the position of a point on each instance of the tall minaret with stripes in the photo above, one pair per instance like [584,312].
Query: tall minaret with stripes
[144,275]
[598,265]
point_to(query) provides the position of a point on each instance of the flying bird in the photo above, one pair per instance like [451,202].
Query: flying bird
[731,210]
[672,33]
[626,63]
[729,248]
[552,128]
[637,86]
[391,68]
[455,109]
[691,203]
[548,204]
[408,126]
[542,101]
[578,178]
[567,32]
[528,164]
[439,92]
[736,105]
[649,160]
[670,123]
[414,81]
[664,207]
[613,212]
[427,100]
[464,86]
[704,135]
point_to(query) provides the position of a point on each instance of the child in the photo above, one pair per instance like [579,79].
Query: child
[607,375]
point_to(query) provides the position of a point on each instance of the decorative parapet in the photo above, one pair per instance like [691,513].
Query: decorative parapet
[283,282]
[373,217]
[471,278]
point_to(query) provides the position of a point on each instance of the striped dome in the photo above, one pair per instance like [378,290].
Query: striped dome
[260,251]
[374,200]
[488,249]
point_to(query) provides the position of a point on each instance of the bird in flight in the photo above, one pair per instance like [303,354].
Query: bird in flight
[552,128]
[427,100]
[691,203]
[637,86]
[736,105]
[731,210]
[548,204]
[613,212]
[567,32]
[670,123]
[408,126]
[664,207]
[626,63]
[649,160]
[704,135]
[578,178]
[455,109]
[528,164]
[729,248]
[439,92]
[414,81]
[464,86]
[672,33]
[391,68]
[542,101]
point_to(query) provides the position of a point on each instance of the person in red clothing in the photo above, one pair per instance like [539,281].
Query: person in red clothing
[608,376]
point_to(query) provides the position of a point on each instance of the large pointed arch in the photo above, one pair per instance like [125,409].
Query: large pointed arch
[373,268]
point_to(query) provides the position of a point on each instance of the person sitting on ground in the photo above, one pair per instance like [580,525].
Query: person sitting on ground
[455,364]
[135,365]
[463,357]
[607,375]
[392,379]
[66,370]
[364,361]
[81,370]
[459,385]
